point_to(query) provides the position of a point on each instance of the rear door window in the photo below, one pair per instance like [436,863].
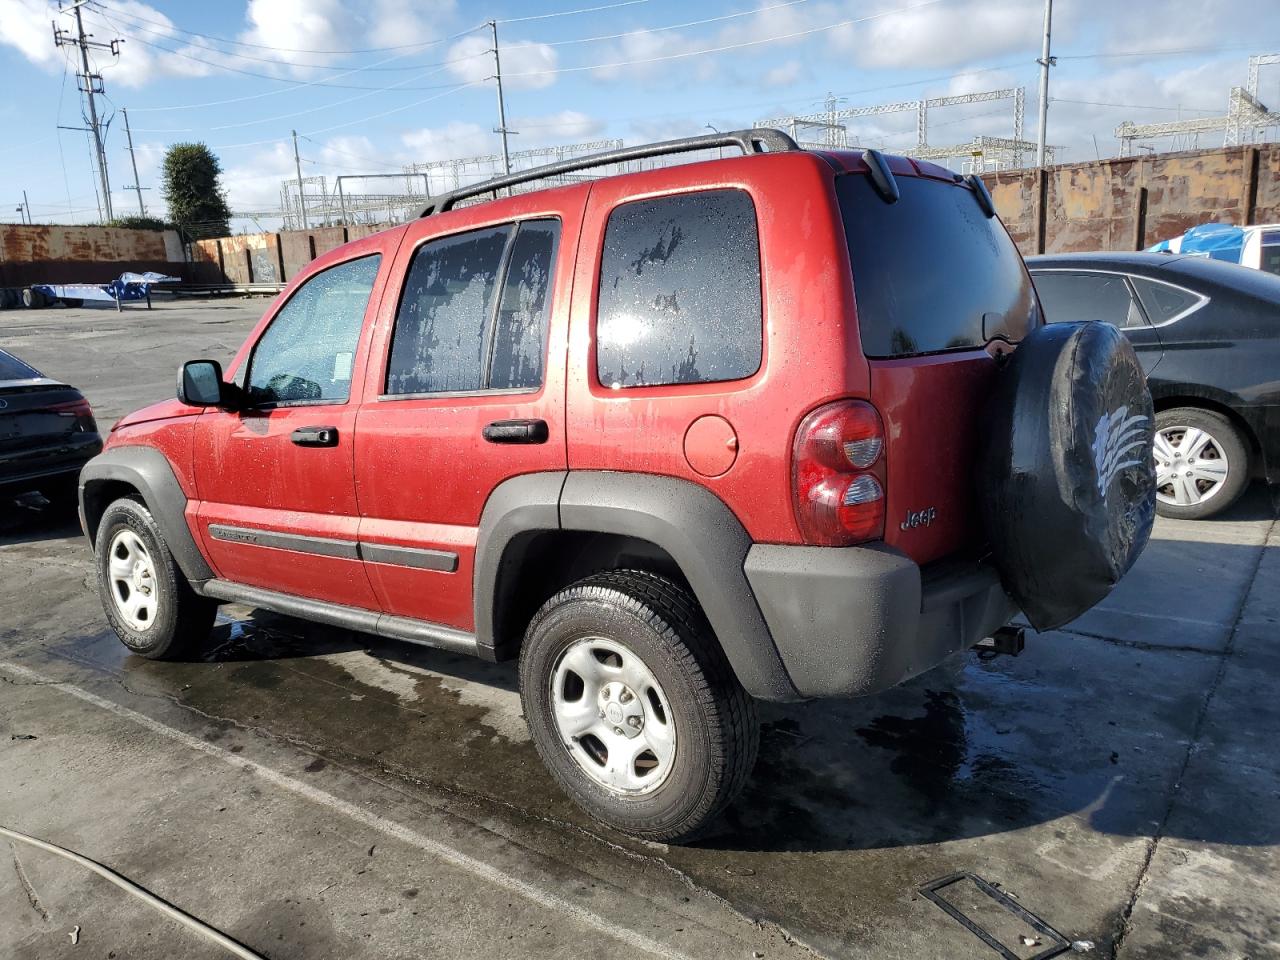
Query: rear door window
[474,312]
[1163,301]
[1067,297]
[680,291]
[931,272]
[11,368]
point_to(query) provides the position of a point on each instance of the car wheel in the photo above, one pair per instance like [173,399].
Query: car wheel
[148,601]
[1202,463]
[633,707]
[32,299]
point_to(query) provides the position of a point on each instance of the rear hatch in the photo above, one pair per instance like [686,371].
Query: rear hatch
[41,420]
[940,287]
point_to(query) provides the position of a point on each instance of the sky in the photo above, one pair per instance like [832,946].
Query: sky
[373,85]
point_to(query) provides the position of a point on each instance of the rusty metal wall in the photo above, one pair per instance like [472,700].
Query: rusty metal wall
[43,253]
[1132,202]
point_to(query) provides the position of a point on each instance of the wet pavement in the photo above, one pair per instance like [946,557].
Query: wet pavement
[313,792]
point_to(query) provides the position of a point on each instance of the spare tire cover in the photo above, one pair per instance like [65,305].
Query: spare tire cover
[1066,480]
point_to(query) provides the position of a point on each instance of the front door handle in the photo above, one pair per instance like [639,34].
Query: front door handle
[516,431]
[315,436]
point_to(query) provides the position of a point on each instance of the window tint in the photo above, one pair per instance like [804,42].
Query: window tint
[680,291]
[306,354]
[519,341]
[1269,255]
[439,340]
[11,368]
[931,271]
[1087,296]
[1162,301]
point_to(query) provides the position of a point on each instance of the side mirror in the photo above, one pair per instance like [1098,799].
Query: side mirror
[200,384]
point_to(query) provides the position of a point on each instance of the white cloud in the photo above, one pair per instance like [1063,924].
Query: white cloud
[944,35]
[559,127]
[456,139]
[24,25]
[393,23]
[784,75]
[285,27]
[254,183]
[523,62]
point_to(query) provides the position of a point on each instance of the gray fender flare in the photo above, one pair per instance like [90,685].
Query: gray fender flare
[691,524]
[147,471]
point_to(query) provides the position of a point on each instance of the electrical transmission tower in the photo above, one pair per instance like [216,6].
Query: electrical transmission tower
[1247,119]
[90,85]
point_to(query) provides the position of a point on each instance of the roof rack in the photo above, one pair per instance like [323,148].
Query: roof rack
[751,141]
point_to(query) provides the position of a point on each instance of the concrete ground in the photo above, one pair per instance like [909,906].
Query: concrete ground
[313,793]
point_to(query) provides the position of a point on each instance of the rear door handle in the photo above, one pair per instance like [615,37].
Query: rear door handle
[516,431]
[315,436]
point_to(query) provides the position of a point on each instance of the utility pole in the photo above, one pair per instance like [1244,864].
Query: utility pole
[1046,61]
[502,107]
[90,86]
[297,164]
[137,187]
[26,207]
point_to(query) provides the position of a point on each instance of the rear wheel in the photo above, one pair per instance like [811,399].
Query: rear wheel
[148,601]
[1202,463]
[633,706]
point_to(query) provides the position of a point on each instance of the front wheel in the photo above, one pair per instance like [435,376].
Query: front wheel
[1202,463]
[148,601]
[633,707]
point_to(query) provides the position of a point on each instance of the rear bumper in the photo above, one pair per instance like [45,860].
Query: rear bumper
[26,469]
[854,621]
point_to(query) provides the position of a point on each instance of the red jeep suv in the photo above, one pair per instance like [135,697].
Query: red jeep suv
[777,426]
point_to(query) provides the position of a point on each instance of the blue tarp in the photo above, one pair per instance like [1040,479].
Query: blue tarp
[1218,241]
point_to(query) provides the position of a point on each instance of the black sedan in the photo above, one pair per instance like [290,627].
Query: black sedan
[1208,335]
[47,432]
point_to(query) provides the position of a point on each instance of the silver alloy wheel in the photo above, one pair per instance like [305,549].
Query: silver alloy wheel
[133,580]
[1191,466]
[613,716]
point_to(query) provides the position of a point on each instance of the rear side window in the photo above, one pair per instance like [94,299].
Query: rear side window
[306,354]
[1068,297]
[680,291]
[11,368]
[474,312]
[931,272]
[1163,301]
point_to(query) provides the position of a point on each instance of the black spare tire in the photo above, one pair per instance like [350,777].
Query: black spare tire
[1065,471]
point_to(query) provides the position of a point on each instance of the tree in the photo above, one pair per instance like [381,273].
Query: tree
[193,191]
[135,222]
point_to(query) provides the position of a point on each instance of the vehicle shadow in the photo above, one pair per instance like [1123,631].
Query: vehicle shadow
[30,518]
[1088,734]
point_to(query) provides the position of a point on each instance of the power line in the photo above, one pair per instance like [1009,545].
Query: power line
[1166,53]
[271,46]
[673,26]
[300,113]
[294,84]
[1136,106]
[308,66]
[729,46]
[570,13]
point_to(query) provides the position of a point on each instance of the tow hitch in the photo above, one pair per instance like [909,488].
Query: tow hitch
[1006,640]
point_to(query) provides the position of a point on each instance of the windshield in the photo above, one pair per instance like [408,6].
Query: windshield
[931,272]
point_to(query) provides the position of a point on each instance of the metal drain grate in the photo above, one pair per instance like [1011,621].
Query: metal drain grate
[1058,945]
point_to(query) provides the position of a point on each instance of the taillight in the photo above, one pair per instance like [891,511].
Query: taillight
[80,410]
[838,474]
[72,408]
